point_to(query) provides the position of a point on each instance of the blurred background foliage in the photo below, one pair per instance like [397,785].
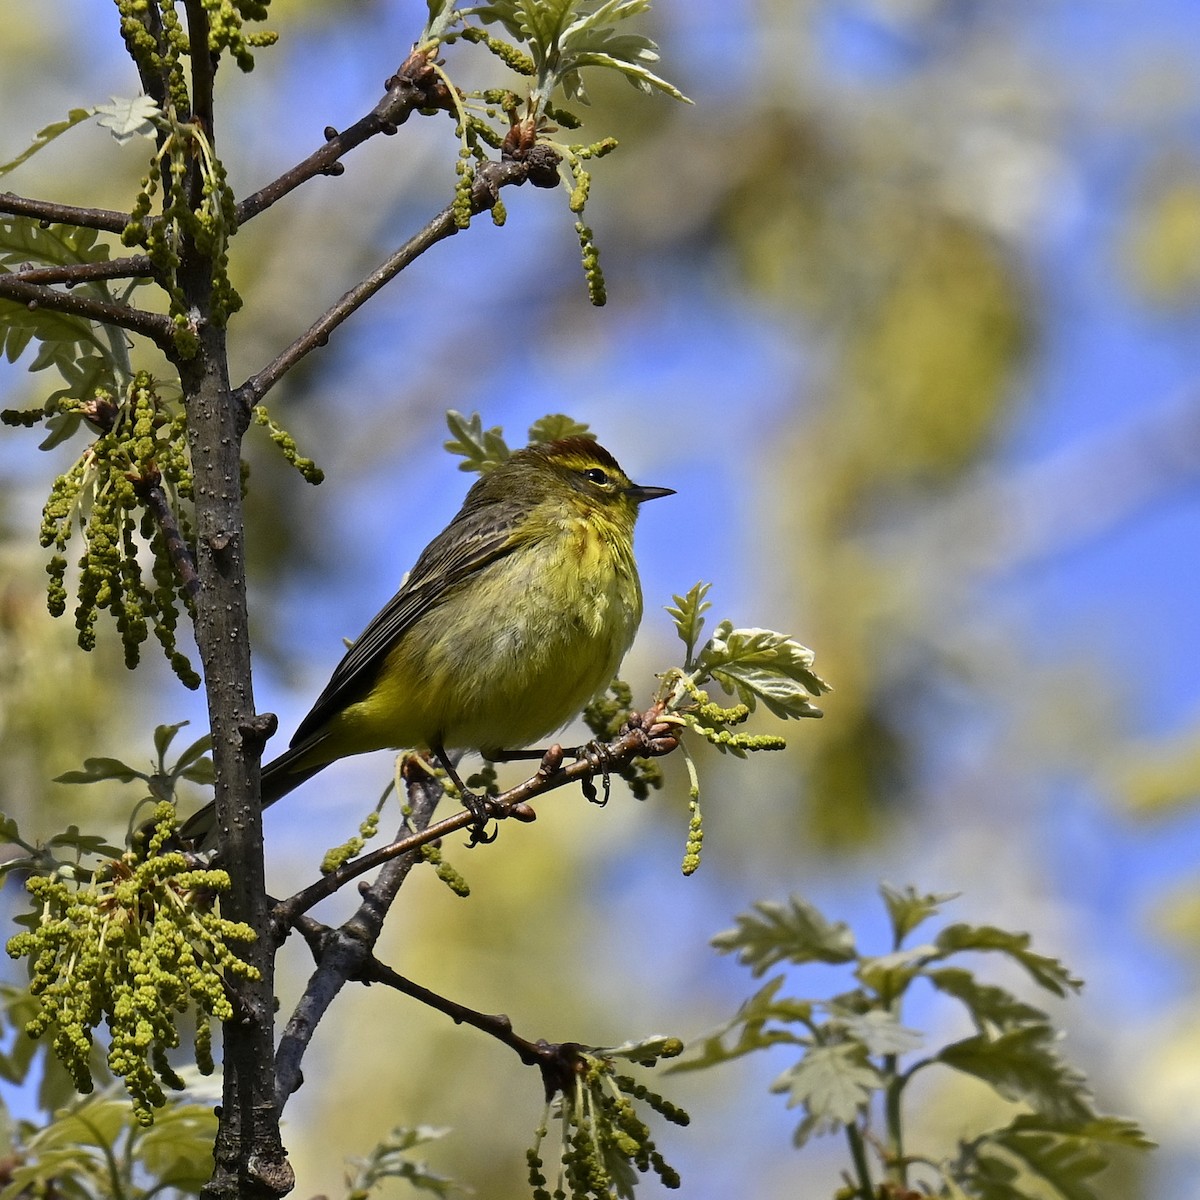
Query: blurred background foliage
[905,309]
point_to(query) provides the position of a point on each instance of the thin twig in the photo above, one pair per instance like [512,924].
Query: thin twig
[154,326]
[151,492]
[558,1062]
[63,214]
[642,737]
[415,85]
[342,953]
[133,266]
[492,177]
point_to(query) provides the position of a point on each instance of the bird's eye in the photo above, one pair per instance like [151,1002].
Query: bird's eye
[596,475]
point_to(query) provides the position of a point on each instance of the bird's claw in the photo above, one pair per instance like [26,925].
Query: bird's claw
[477,806]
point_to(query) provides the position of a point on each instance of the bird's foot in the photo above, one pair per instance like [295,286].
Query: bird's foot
[480,811]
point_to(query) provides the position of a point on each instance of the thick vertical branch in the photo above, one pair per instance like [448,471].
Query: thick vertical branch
[250,1159]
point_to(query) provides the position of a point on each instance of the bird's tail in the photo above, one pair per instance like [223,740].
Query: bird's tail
[279,777]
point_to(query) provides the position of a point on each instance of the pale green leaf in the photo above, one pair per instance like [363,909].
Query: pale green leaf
[127,118]
[1023,1065]
[832,1083]
[482,449]
[45,136]
[908,909]
[1109,1131]
[555,426]
[991,1007]
[389,1160]
[1046,971]
[881,1033]
[84,843]
[760,664]
[889,974]
[96,769]
[645,1051]
[688,613]
[750,1021]
[794,932]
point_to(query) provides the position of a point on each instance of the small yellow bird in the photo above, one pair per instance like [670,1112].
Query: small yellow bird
[514,617]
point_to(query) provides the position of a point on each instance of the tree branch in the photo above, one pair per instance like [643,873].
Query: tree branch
[415,85]
[558,1062]
[155,499]
[154,326]
[134,266]
[642,737]
[63,214]
[342,953]
[491,178]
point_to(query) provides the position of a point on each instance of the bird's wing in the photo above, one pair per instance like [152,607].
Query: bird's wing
[468,544]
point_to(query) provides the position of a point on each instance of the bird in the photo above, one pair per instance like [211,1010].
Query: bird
[514,617]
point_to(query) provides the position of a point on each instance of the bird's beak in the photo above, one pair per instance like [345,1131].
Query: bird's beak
[637,493]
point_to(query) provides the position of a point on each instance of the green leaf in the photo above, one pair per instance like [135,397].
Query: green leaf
[388,1160]
[1063,1162]
[9,833]
[164,735]
[795,932]
[881,1033]
[84,843]
[759,664]
[1024,1065]
[202,772]
[177,1149]
[555,426]
[1048,972]
[888,975]
[126,119]
[1109,1131]
[688,614]
[750,1021]
[200,746]
[483,450]
[907,909]
[832,1083]
[645,1051]
[45,136]
[991,1008]
[96,769]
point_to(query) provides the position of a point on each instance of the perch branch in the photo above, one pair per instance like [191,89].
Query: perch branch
[642,737]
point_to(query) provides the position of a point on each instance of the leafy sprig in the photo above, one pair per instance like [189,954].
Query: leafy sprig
[391,1159]
[136,943]
[126,492]
[857,1056]
[603,1142]
[548,44]
[483,450]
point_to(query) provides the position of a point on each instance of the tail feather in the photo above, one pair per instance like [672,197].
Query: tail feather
[279,777]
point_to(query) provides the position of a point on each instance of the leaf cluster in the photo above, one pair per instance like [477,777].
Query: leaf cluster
[551,43]
[390,1160]
[127,491]
[483,450]
[857,1057]
[91,1149]
[90,358]
[603,1142]
[135,945]
[562,37]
